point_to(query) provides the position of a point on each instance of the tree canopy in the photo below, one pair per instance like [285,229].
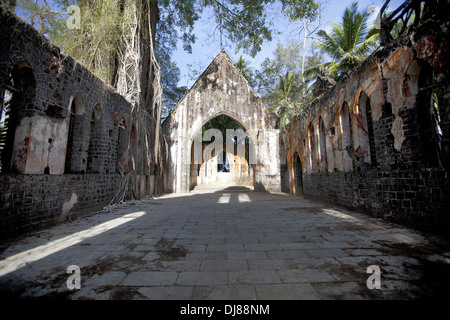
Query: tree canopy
[100,41]
[281,81]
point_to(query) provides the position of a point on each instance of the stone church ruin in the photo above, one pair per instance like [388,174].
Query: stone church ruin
[377,141]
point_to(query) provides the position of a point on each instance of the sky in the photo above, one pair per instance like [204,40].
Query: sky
[206,48]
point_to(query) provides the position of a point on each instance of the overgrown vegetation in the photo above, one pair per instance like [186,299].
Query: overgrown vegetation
[349,43]
[115,36]
[291,91]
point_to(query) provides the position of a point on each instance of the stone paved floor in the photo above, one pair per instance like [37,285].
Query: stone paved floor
[226,244]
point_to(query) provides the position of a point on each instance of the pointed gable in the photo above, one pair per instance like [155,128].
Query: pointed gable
[221,75]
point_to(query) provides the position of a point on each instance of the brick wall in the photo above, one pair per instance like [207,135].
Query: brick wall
[406,180]
[416,198]
[30,202]
[43,182]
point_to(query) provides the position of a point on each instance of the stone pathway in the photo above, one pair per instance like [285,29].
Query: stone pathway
[226,244]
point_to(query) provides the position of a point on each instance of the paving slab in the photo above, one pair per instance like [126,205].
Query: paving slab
[233,292]
[254,277]
[305,276]
[167,293]
[141,279]
[301,291]
[224,265]
[202,278]
[257,246]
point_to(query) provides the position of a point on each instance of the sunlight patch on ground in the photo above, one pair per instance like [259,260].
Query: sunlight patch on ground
[340,215]
[244,198]
[225,198]
[22,259]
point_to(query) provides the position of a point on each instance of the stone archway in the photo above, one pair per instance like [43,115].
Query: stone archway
[228,163]
[222,90]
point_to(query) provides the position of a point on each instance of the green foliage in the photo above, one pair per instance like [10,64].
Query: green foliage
[172,93]
[246,71]
[349,42]
[243,22]
[177,16]
[285,101]
[286,59]
[99,42]
[402,24]
[287,94]
[48,18]
[298,9]
[223,123]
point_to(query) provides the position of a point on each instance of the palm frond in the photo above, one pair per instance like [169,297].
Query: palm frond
[348,43]
[369,44]
[329,45]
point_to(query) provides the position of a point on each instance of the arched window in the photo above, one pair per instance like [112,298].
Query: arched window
[73,143]
[345,128]
[133,148]
[141,157]
[94,137]
[346,136]
[322,150]
[429,117]
[5,114]
[312,147]
[17,98]
[122,139]
[364,133]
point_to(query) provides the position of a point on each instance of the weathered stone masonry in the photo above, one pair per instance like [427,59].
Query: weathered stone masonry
[221,90]
[68,135]
[373,142]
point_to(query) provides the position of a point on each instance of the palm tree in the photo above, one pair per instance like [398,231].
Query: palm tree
[244,69]
[241,65]
[348,43]
[285,99]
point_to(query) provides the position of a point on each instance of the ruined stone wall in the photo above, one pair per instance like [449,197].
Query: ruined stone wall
[70,137]
[375,143]
[30,202]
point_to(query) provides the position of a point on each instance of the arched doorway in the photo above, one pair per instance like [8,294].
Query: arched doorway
[221,154]
[298,175]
